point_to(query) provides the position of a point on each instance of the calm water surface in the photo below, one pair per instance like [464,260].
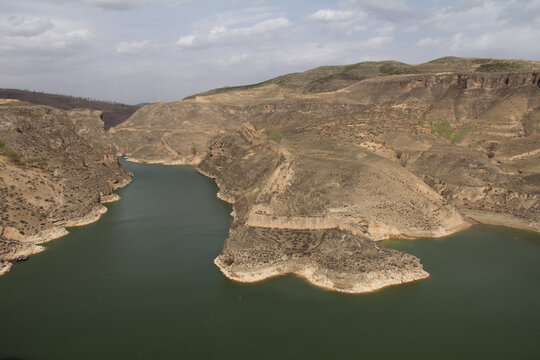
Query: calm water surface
[140,284]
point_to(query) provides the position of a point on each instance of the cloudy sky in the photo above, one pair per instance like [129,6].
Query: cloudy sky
[136,51]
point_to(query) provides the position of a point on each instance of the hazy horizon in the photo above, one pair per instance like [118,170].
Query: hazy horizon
[136,51]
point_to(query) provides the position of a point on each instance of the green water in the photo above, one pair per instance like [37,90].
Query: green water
[140,284]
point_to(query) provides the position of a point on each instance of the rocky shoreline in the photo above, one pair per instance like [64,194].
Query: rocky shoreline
[33,243]
[371,282]
[320,165]
[317,275]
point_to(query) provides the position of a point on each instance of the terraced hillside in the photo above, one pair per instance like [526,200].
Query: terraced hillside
[320,164]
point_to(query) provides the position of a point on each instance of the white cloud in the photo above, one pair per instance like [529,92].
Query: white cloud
[245,41]
[49,43]
[132,48]
[388,10]
[326,15]
[116,5]
[429,41]
[496,42]
[222,35]
[239,16]
[19,25]
[34,35]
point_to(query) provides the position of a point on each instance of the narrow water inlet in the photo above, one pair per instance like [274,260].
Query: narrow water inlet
[141,283]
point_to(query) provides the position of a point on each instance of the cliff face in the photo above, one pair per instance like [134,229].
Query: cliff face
[173,133]
[56,169]
[320,164]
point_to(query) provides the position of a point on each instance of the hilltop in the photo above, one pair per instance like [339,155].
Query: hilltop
[113,113]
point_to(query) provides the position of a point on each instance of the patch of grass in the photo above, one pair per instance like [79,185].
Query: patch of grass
[446,131]
[443,129]
[342,73]
[391,69]
[353,66]
[422,121]
[14,157]
[18,159]
[283,79]
[497,67]
[41,163]
[459,135]
[481,61]
[324,79]
[228,88]
[445,59]
[274,135]
[242,87]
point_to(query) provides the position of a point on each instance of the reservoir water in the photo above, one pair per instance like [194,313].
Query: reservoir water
[140,284]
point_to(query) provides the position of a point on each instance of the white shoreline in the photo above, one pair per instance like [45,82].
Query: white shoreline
[378,279]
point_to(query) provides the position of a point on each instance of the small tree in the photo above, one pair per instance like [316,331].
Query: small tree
[194,149]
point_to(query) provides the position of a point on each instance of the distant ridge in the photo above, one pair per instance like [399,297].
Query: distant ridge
[113,113]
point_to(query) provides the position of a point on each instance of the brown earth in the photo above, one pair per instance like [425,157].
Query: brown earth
[57,167]
[321,163]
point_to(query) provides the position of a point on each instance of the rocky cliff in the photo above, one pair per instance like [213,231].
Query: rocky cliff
[320,164]
[56,169]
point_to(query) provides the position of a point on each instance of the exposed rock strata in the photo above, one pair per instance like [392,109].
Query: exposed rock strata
[367,151]
[56,169]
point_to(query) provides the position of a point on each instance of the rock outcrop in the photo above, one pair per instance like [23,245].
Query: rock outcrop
[319,165]
[56,169]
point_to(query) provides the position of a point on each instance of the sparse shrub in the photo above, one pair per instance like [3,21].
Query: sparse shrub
[194,149]
[15,157]
[2,145]
[422,121]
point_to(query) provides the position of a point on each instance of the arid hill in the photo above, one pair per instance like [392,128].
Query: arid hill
[57,167]
[113,113]
[321,163]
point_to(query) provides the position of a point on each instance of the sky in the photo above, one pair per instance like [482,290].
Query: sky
[136,51]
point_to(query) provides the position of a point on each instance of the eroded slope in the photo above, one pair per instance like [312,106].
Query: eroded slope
[319,164]
[56,169]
